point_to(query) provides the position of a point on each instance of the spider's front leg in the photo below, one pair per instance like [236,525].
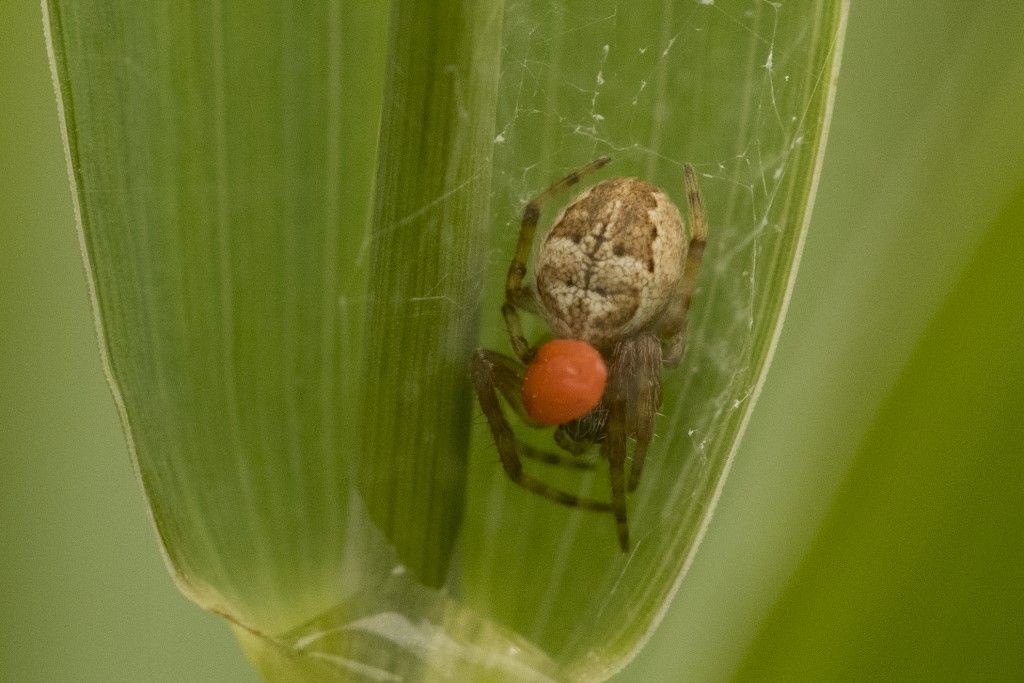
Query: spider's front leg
[516,295]
[494,374]
[674,331]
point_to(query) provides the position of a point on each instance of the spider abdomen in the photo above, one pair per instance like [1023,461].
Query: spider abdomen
[611,261]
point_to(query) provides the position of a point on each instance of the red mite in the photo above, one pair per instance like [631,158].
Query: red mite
[564,382]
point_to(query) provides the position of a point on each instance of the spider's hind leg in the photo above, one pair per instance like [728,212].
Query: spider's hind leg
[643,432]
[507,374]
[632,396]
[493,373]
[613,448]
[569,439]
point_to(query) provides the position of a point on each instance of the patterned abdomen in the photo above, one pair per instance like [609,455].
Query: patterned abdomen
[610,262]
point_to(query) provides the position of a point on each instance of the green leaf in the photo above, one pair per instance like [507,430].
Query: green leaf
[741,90]
[922,156]
[221,179]
[288,237]
[941,462]
[425,253]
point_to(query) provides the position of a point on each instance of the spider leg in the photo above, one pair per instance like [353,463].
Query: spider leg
[490,375]
[646,367]
[675,329]
[517,269]
[508,380]
[576,447]
[568,442]
[633,396]
[524,299]
[558,459]
[643,433]
[613,448]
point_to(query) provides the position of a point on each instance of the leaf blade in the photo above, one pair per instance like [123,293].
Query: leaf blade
[192,204]
[223,212]
[559,593]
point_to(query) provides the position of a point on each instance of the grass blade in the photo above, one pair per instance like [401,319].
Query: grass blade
[220,188]
[287,296]
[742,90]
[424,251]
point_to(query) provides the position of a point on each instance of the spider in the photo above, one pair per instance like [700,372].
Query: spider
[613,281]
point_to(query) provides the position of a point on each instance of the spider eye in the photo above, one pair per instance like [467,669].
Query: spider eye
[564,382]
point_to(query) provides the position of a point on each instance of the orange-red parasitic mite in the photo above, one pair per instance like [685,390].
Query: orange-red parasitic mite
[564,382]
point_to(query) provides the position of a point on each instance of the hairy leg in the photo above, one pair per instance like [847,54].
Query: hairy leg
[489,370]
[675,329]
[613,448]
[507,375]
[517,269]
[633,396]
[573,462]
[568,442]
[643,433]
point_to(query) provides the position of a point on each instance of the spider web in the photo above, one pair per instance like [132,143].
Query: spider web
[727,86]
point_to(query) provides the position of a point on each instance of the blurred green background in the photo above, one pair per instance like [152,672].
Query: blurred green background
[872,525]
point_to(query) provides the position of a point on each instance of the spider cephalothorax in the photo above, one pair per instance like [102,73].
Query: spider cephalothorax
[614,277]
